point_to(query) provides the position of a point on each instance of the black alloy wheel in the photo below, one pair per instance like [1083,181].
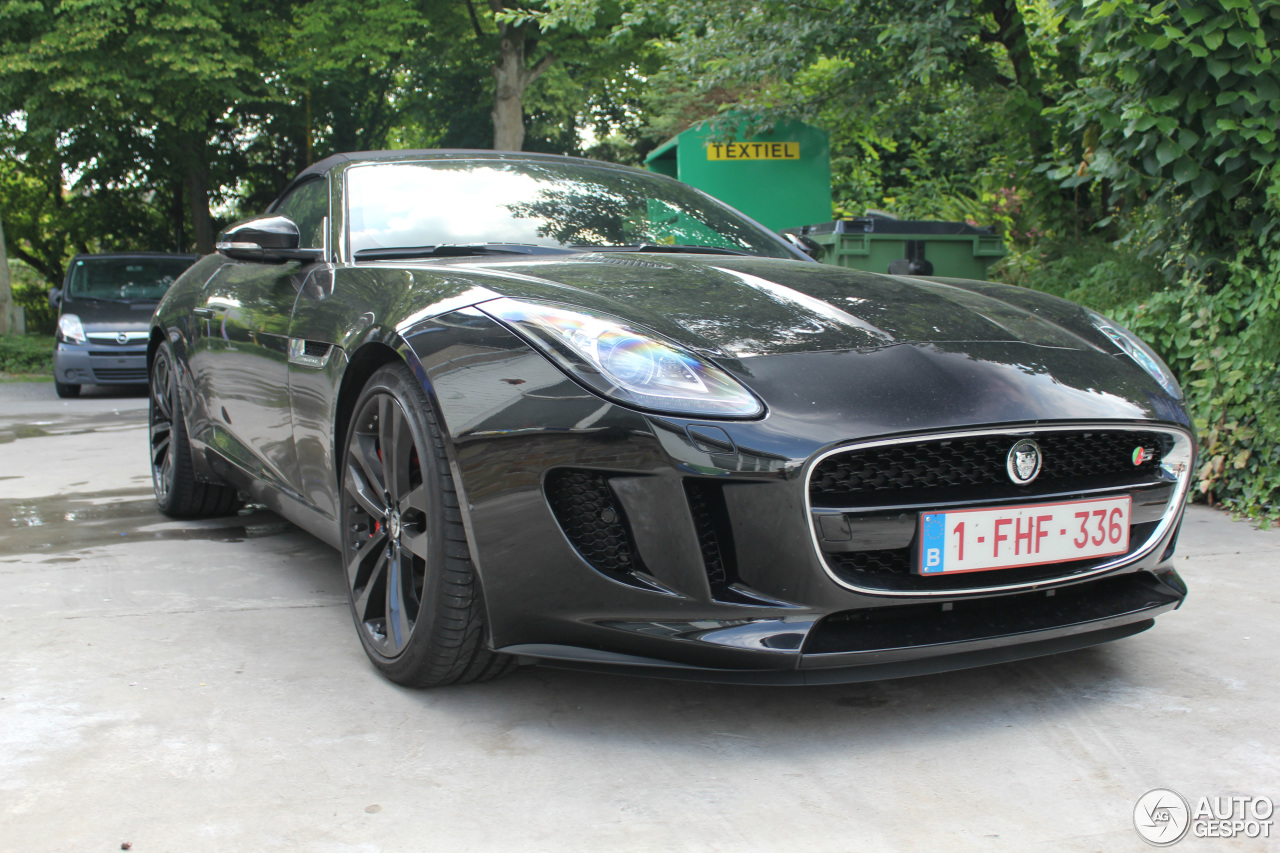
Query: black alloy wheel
[160,409]
[178,493]
[413,590]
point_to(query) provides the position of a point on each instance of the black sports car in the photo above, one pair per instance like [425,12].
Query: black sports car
[552,410]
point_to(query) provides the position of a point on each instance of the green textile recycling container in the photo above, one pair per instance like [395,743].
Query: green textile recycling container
[906,247]
[781,179]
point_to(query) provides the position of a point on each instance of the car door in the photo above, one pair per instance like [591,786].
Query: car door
[243,316]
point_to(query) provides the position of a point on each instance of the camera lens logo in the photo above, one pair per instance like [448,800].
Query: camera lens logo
[1161,817]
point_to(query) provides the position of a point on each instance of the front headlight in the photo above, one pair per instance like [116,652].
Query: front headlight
[1144,355]
[70,329]
[624,364]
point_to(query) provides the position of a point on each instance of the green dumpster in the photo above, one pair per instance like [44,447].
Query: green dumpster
[781,178]
[906,247]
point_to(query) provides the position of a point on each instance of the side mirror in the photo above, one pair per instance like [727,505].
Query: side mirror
[55,297]
[808,245]
[268,239]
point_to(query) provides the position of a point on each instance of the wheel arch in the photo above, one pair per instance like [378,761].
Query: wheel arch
[153,346]
[361,364]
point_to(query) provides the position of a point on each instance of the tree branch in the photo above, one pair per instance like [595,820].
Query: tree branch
[538,70]
[35,263]
[475,22]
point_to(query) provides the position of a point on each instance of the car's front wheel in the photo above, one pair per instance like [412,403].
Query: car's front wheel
[66,389]
[413,589]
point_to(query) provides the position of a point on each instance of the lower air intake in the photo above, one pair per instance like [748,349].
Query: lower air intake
[592,519]
[715,537]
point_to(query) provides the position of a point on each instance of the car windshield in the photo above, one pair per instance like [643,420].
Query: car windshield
[124,279]
[555,205]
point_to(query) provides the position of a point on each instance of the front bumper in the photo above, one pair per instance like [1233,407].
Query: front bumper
[717,575]
[876,644]
[100,364]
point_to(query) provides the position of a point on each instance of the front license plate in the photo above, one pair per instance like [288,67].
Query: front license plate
[979,540]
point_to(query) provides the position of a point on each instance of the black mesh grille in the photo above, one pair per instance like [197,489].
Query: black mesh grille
[894,562]
[931,470]
[123,375]
[315,349]
[710,520]
[591,518]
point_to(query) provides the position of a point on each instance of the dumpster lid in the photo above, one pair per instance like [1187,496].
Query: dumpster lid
[885,225]
[662,149]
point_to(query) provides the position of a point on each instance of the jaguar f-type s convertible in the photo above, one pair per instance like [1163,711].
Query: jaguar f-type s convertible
[557,411]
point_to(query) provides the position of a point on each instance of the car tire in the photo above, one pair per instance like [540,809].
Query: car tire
[65,389]
[178,493]
[414,594]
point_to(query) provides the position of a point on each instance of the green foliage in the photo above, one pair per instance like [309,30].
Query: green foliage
[27,356]
[1092,272]
[1177,104]
[934,109]
[31,291]
[1219,332]
[1224,344]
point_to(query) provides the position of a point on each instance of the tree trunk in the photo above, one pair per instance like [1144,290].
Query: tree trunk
[508,97]
[8,314]
[512,79]
[197,180]
[1011,32]
[177,218]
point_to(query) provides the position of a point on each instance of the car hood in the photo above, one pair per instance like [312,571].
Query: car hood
[823,345]
[102,317]
[747,307]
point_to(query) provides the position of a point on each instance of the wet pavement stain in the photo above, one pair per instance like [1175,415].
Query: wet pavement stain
[16,432]
[82,425]
[62,523]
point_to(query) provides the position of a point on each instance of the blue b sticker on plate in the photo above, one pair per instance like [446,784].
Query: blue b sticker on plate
[933,542]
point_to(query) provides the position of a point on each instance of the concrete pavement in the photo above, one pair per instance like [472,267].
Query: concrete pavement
[191,686]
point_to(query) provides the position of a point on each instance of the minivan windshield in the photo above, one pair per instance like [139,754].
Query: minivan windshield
[566,206]
[124,279]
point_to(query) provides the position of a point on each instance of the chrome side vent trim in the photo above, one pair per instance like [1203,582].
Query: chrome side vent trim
[314,354]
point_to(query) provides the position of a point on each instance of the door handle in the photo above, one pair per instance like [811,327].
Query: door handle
[202,312]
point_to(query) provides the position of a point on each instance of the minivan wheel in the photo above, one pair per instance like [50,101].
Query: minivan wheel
[65,389]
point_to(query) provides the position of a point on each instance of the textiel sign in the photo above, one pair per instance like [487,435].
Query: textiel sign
[753,151]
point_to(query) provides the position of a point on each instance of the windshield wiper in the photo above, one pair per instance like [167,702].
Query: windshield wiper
[684,248]
[445,250]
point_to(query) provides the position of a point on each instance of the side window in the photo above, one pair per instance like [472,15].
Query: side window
[307,205]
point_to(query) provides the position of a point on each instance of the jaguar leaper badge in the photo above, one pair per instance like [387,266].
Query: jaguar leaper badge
[1024,462]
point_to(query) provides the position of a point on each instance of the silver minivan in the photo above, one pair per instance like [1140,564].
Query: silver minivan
[105,306]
